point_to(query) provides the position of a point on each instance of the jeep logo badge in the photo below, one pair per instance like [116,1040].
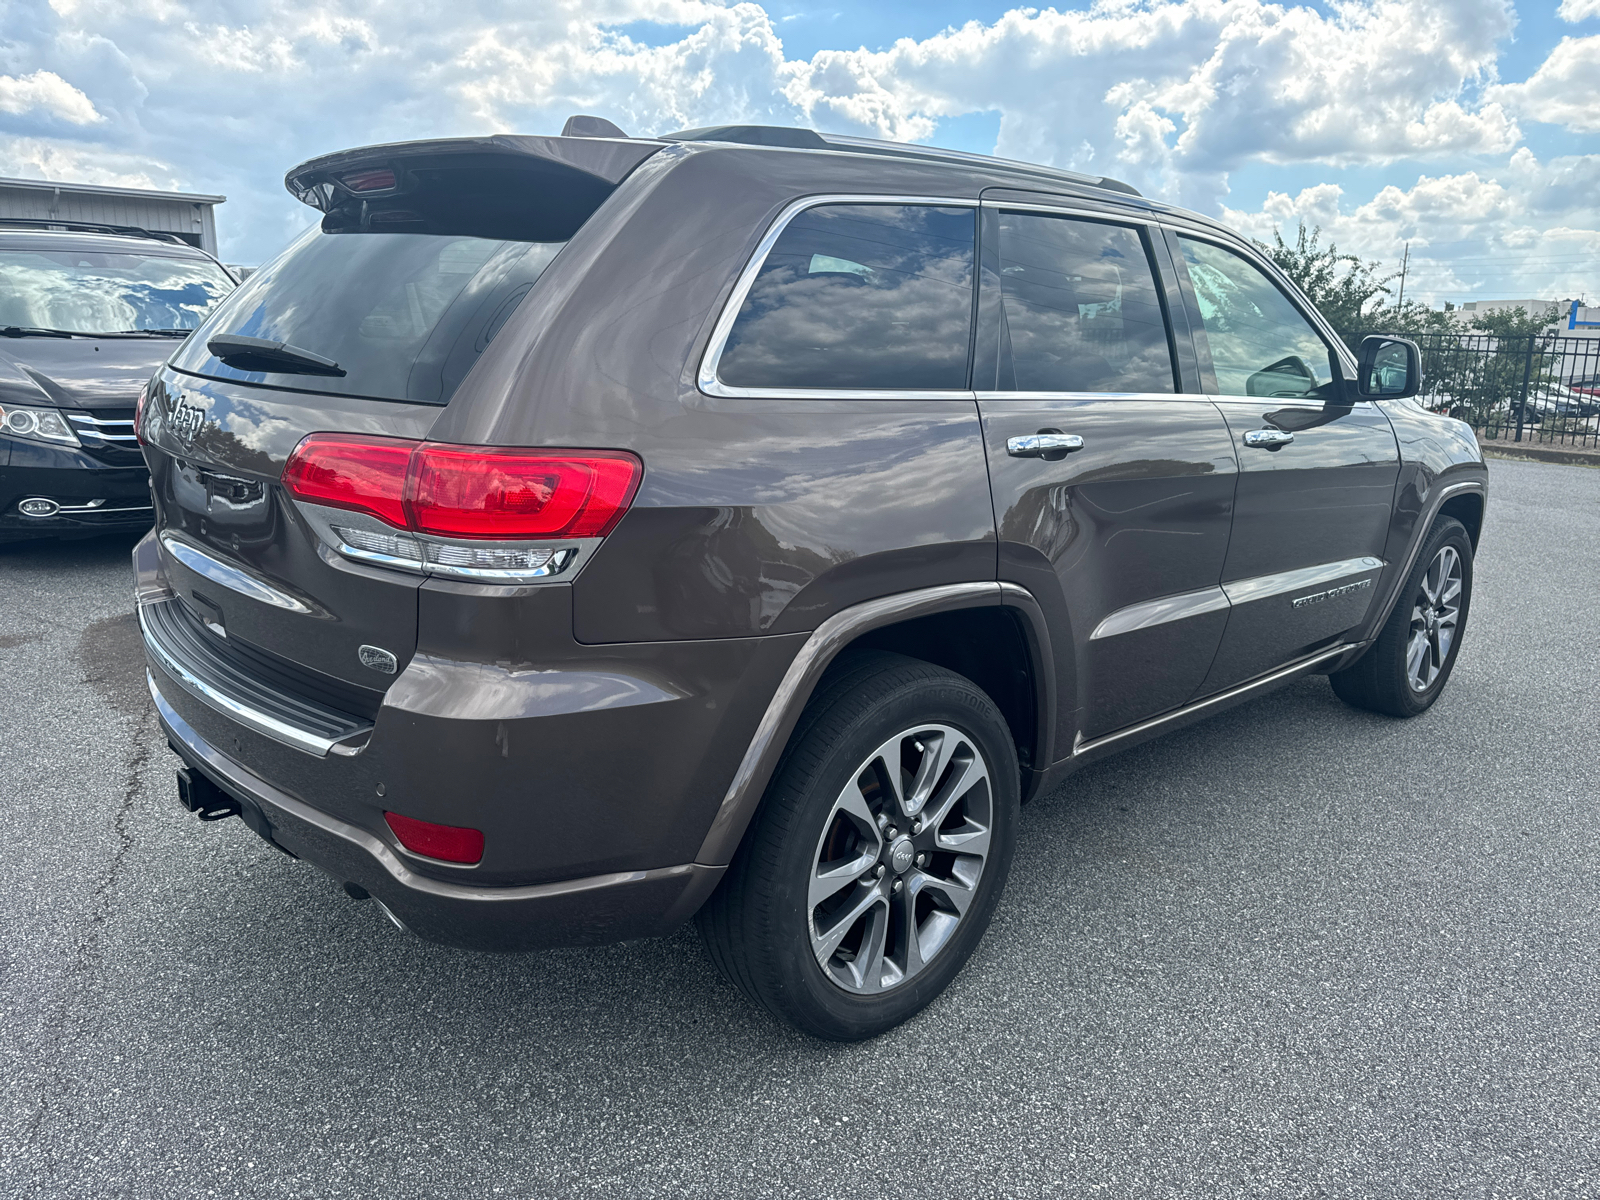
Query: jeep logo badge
[378,659]
[186,420]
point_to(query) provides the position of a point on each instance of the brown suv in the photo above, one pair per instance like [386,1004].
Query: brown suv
[568,536]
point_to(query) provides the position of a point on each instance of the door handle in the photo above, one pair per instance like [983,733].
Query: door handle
[1036,445]
[1268,439]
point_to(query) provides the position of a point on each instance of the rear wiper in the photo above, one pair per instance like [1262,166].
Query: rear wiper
[34,331]
[258,354]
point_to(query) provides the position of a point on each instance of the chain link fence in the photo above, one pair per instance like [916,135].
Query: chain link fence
[1543,389]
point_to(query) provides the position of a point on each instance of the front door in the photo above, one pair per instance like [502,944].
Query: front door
[1121,538]
[1317,468]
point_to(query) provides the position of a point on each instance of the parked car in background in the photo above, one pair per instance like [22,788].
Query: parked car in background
[569,536]
[87,314]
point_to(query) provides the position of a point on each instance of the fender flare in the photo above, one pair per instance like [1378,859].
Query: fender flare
[818,652]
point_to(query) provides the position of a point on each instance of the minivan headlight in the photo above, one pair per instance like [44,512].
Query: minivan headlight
[36,425]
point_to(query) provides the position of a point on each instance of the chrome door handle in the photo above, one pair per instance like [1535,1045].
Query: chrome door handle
[1034,445]
[1268,439]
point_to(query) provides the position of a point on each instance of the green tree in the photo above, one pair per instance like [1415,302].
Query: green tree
[1340,285]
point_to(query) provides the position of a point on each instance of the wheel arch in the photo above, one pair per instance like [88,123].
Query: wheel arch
[991,633]
[1466,507]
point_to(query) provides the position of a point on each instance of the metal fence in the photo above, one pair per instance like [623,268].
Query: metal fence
[1539,389]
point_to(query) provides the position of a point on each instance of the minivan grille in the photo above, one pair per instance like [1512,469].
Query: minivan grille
[108,430]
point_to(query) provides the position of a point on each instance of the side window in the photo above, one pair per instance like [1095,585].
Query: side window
[1080,307]
[1260,344]
[859,296]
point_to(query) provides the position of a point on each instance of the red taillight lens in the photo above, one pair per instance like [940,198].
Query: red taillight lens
[364,474]
[449,843]
[369,181]
[480,492]
[138,414]
[512,495]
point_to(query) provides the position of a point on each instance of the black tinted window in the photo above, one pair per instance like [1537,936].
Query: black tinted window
[1080,307]
[404,314]
[859,296]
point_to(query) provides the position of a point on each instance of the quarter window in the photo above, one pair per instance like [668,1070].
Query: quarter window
[1080,306]
[859,296]
[1260,344]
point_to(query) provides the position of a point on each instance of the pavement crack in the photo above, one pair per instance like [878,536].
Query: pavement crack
[71,1019]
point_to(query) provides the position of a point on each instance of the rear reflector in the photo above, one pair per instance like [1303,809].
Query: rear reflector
[448,843]
[485,493]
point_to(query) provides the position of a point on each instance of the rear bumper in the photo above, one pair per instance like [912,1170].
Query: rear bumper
[574,912]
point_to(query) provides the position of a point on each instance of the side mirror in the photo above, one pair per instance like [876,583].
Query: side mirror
[1391,368]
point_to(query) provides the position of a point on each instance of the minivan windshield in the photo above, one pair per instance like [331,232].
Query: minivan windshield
[404,315]
[84,291]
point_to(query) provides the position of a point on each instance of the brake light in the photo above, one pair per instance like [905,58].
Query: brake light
[362,474]
[449,843]
[138,414]
[486,493]
[369,181]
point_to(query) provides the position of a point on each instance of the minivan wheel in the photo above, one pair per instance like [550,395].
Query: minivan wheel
[878,854]
[1408,666]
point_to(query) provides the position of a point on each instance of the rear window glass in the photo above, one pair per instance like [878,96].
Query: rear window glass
[405,315]
[84,291]
[859,296]
[1081,311]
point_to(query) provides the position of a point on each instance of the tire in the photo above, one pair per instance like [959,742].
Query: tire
[812,919]
[1428,621]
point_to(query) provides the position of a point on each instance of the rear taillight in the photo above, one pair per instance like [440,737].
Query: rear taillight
[470,510]
[515,495]
[362,474]
[379,180]
[449,843]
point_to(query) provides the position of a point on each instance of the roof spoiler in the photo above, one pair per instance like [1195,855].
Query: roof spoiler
[371,172]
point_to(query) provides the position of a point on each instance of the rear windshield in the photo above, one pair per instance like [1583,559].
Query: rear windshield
[405,315]
[82,291]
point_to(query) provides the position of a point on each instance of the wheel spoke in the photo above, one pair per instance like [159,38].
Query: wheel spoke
[1415,653]
[937,749]
[827,941]
[966,776]
[957,891]
[867,969]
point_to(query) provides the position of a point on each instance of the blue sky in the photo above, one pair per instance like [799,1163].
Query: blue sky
[1466,128]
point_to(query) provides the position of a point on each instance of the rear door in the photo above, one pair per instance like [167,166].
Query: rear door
[1317,468]
[1122,540]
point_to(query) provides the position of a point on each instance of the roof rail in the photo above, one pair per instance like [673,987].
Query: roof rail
[810,139]
[68,226]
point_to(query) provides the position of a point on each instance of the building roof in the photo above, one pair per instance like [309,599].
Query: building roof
[46,185]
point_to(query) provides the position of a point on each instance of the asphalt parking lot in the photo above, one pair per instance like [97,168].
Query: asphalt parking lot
[1295,951]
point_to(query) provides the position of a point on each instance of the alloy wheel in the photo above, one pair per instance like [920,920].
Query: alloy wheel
[899,858]
[1435,615]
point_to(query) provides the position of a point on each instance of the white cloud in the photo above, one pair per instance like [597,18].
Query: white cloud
[48,91]
[1531,232]
[1173,95]
[1578,10]
[1562,90]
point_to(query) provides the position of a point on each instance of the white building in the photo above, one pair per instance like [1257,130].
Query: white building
[189,215]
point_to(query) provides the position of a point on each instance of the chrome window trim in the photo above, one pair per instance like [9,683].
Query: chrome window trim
[263,723]
[228,576]
[1262,587]
[1192,397]
[711,359]
[1105,217]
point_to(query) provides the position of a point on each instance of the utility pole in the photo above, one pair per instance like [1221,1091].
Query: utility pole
[1404,263]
